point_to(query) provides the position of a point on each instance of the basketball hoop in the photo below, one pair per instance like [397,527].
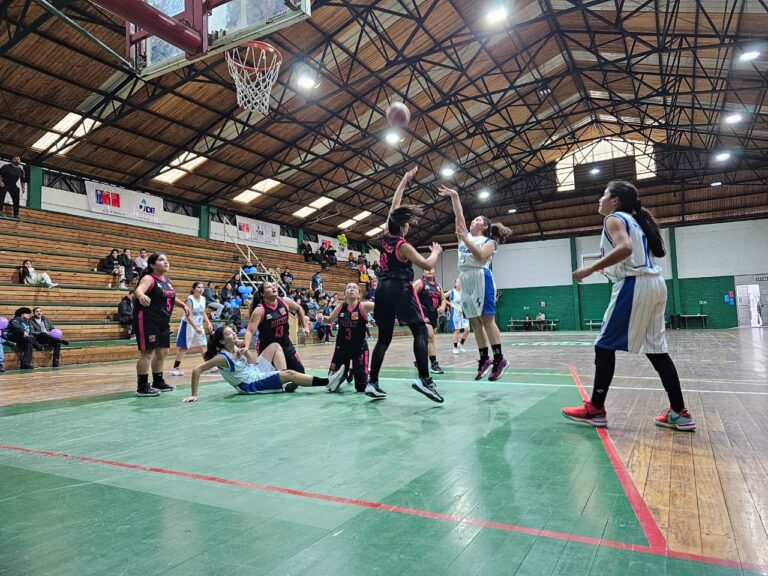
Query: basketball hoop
[254,66]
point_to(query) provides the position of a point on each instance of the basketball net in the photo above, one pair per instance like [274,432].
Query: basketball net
[254,66]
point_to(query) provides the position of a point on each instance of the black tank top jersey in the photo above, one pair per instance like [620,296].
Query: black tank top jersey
[351,334]
[162,298]
[274,325]
[430,295]
[392,268]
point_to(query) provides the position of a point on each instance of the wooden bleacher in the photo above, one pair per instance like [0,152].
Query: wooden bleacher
[84,305]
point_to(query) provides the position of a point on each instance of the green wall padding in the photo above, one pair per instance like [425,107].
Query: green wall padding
[720,314]
[559,305]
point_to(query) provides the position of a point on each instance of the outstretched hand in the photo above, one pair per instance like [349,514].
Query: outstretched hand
[189,399]
[410,175]
[445,191]
[436,248]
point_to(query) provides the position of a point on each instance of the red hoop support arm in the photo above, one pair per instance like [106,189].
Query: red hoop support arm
[169,28]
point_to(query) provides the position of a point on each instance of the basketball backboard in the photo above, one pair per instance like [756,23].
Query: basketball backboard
[229,24]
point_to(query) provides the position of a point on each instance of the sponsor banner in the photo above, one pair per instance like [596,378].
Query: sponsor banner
[258,231]
[116,201]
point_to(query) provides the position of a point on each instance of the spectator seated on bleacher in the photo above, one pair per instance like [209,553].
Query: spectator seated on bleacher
[306,251]
[28,275]
[351,261]
[140,262]
[287,278]
[212,300]
[330,256]
[2,352]
[111,265]
[324,332]
[527,323]
[125,313]
[126,261]
[541,321]
[45,334]
[18,334]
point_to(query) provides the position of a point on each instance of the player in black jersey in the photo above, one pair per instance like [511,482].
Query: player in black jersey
[430,294]
[395,298]
[155,299]
[269,317]
[351,345]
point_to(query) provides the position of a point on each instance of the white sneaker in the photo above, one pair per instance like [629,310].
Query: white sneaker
[372,390]
[335,379]
[456,351]
[122,286]
[462,350]
[52,285]
[177,372]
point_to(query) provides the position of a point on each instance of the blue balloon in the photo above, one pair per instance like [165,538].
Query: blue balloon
[242,289]
[238,301]
[250,289]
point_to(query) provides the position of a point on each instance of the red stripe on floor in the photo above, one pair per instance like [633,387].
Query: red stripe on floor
[398,509]
[653,534]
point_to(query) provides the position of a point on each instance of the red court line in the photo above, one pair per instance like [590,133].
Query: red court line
[399,510]
[653,534]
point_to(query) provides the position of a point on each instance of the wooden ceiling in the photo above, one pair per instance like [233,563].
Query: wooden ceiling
[501,103]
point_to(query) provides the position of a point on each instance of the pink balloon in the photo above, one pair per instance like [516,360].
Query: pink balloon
[56,333]
[3,322]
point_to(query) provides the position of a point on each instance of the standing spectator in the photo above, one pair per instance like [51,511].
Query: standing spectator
[140,263]
[316,284]
[127,263]
[40,330]
[212,301]
[125,313]
[10,175]
[18,334]
[541,320]
[28,275]
[287,278]
[111,265]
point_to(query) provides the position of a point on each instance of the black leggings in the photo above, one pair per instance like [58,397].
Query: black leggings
[15,197]
[605,364]
[420,350]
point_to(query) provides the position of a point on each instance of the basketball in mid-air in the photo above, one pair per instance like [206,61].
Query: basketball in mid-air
[398,115]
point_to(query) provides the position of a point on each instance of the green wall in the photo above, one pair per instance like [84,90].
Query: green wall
[720,314]
[559,305]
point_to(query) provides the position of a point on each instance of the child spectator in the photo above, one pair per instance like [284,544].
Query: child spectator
[111,265]
[125,313]
[28,275]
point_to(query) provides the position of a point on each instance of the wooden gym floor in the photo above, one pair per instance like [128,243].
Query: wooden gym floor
[494,481]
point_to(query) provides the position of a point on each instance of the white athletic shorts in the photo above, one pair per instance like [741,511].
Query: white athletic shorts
[634,320]
[478,292]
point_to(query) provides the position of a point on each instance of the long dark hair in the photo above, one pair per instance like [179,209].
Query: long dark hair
[402,215]
[630,203]
[496,230]
[215,343]
[24,271]
[258,297]
[151,262]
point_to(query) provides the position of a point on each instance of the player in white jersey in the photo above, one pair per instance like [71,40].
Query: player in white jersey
[458,322]
[477,245]
[634,320]
[247,372]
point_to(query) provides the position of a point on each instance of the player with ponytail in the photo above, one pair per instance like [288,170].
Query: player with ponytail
[634,320]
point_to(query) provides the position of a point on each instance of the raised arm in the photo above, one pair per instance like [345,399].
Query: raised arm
[409,252]
[458,211]
[398,197]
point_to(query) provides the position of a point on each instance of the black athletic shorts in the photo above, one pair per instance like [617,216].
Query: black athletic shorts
[358,361]
[432,318]
[151,333]
[397,299]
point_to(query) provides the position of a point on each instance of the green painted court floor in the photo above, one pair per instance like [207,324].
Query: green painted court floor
[494,481]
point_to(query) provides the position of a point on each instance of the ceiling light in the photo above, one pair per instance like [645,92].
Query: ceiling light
[595,171]
[511,210]
[484,195]
[733,118]
[347,223]
[374,231]
[392,138]
[722,157]
[247,196]
[749,56]
[321,202]
[496,15]
[306,81]
[304,212]
[363,214]
[716,184]
[447,172]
